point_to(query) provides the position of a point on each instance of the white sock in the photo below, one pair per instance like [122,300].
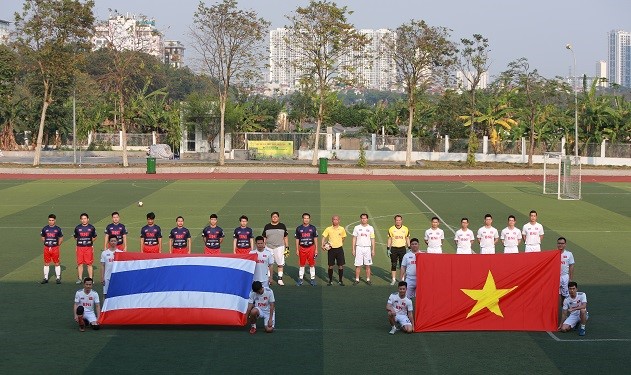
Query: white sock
[58,271]
[312,272]
[253,324]
[280,274]
[301,273]
[46,271]
[582,326]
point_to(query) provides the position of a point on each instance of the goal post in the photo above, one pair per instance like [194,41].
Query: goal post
[562,175]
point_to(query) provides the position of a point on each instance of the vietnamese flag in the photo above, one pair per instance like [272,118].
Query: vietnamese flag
[487,292]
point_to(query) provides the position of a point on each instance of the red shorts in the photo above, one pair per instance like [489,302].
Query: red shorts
[150,248]
[208,250]
[179,250]
[85,255]
[307,255]
[51,254]
[244,251]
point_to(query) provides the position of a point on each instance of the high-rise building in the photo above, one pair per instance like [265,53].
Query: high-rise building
[129,33]
[4,31]
[282,61]
[619,53]
[601,73]
[174,53]
[464,79]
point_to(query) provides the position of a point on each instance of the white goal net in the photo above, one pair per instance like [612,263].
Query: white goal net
[562,175]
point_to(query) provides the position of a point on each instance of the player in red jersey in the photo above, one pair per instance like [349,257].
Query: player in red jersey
[52,237]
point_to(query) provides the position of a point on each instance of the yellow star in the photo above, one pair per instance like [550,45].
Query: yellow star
[489,296]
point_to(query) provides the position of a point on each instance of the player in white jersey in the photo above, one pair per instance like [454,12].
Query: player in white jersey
[511,236]
[464,238]
[567,267]
[532,233]
[264,261]
[261,305]
[434,237]
[400,310]
[487,236]
[87,306]
[363,247]
[574,310]
[408,267]
[107,259]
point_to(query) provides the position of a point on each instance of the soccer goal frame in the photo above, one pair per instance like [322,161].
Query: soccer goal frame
[562,175]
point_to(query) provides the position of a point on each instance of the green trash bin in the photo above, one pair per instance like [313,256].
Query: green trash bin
[324,164]
[151,165]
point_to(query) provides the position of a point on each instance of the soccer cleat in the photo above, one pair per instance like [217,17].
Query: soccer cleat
[299,283]
[44,281]
[329,283]
[312,282]
[393,282]
[581,331]
[341,283]
[58,281]
[393,330]
[368,282]
[355,282]
[78,281]
[280,282]
[252,330]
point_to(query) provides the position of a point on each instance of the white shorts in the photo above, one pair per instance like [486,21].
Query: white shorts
[90,316]
[363,256]
[574,318]
[533,248]
[563,289]
[411,292]
[487,250]
[279,254]
[511,250]
[263,314]
[402,320]
[106,285]
[435,250]
[463,251]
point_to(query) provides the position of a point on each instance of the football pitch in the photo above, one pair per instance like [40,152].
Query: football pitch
[322,329]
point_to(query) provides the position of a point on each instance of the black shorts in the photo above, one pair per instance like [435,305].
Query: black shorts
[336,255]
[396,256]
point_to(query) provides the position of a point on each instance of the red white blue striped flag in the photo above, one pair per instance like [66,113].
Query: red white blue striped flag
[179,289]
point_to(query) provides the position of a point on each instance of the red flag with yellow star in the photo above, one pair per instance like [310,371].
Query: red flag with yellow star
[487,292]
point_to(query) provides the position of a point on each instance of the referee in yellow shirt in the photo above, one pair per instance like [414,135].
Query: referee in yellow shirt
[398,242]
[334,235]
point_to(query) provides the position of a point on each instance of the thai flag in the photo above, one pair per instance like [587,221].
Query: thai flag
[179,289]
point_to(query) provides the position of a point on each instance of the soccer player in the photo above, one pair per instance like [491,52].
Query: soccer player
[276,241]
[85,234]
[264,261]
[398,242]
[334,236]
[511,237]
[408,268]
[464,238]
[400,310]
[567,267]
[487,236]
[532,234]
[151,236]
[574,310]
[180,238]
[87,306]
[363,247]
[213,236]
[116,228]
[242,237]
[306,248]
[52,237]
[107,257]
[434,237]
[261,305]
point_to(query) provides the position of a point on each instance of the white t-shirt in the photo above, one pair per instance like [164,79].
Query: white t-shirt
[86,300]
[107,257]
[567,259]
[409,262]
[532,233]
[400,305]
[264,259]
[463,239]
[570,302]
[363,235]
[510,237]
[487,237]
[262,301]
[434,238]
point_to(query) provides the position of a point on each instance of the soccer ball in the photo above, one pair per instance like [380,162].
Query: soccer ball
[327,246]
[140,204]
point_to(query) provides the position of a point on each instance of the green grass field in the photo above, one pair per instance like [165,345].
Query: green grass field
[319,330]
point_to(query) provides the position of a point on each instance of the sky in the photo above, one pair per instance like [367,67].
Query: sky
[536,29]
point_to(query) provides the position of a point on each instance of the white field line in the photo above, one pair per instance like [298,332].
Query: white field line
[434,212]
[555,338]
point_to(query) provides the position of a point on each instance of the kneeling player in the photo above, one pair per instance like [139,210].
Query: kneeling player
[87,306]
[261,305]
[574,310]
[400,310]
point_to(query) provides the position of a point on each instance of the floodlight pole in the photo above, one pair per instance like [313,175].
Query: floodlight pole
[569,46]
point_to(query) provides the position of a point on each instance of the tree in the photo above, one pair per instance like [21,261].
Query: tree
[323,43]
[423,55]
[52,34]
[8,109]
[228,40]
[473,64]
